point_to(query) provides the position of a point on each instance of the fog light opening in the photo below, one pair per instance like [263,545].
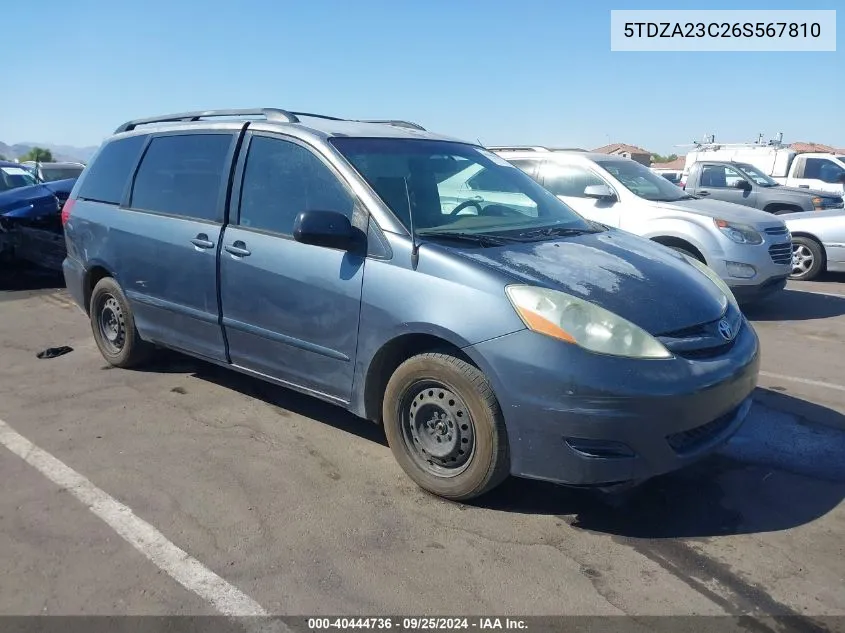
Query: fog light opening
[741,271]
[599,448]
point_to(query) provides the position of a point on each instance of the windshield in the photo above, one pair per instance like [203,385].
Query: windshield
[454,187]
[757,176]
[51,174]
[641,181]
[14,177]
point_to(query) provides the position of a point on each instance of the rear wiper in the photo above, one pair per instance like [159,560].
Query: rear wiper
[479,238]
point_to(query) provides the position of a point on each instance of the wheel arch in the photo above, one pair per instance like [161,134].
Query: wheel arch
[389,356]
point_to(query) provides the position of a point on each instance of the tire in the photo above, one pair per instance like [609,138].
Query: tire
[113,326]
[445,427]
[808,259]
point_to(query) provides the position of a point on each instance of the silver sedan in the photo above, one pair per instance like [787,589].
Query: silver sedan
[818,242]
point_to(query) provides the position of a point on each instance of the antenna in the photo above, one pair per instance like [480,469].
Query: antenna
[415,248]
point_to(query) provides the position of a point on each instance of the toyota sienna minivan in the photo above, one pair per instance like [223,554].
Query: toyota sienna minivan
[488,338]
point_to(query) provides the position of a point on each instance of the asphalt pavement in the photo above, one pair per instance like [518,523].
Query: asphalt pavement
[183,487]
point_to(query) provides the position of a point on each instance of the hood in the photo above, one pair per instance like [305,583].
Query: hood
[62,188]
[804,192]
[28,201]
[723,210]
[637,279]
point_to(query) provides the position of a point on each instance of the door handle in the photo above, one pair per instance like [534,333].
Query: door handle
[703,193]
[238,249]
[202,241]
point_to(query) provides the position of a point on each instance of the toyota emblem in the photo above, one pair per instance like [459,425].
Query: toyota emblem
[725,330]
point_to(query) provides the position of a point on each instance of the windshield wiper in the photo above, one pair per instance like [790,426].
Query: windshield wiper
[554,231]
[479,238]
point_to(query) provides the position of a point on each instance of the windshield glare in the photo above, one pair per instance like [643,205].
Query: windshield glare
[453,186]
[757,176]
[641,181]
[14,177]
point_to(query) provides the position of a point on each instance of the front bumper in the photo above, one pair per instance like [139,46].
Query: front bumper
[583,419]
[771,261]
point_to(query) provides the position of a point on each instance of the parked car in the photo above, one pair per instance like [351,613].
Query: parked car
[742,183]
[818,243]
[321,255]
[749,249]
[30,223]
[50,172]
[817,170]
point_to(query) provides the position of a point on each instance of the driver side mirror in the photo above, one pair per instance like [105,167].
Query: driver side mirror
[742,184]
[329,229]
[600,192]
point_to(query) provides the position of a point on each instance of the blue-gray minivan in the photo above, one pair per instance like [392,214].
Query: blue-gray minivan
[490,334]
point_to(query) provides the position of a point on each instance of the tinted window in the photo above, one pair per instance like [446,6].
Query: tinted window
[182,175]
[51,174]
[568,180]
[823,169]
[108,175]
[719,177]
[281,180]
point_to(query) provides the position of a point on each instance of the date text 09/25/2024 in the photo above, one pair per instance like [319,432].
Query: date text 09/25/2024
[417,623]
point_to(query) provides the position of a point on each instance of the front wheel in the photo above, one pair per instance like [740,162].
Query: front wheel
[807,259]
[444,426]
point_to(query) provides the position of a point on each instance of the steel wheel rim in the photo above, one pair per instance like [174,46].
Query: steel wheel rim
[802,260]
[111,323]
[437,429]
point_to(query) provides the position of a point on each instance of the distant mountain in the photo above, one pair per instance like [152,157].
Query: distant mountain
[60,152]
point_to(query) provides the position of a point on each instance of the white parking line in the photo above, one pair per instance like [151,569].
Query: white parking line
[816,292]
[175,562]
[804,381]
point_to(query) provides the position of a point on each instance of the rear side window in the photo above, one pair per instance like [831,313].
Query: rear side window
[108,175]
[183,175]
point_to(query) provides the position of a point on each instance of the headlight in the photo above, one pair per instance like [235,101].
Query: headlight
[585,324]
[739,233]
[714,277]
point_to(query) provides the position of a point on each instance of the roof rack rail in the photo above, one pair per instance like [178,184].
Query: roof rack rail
[518,148]
[271,114]
[395,122]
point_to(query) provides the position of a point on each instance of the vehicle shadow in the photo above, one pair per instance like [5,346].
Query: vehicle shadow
[290,400]
[793,305]
[777,473]
[19,277]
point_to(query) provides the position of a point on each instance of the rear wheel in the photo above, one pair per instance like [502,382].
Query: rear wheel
[113,326]
[807,258]
[445,427]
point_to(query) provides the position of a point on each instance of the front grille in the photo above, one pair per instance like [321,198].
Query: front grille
[703,341]
[777,230]
[781,253]
[690,440]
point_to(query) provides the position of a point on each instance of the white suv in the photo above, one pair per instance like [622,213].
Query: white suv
[751,250]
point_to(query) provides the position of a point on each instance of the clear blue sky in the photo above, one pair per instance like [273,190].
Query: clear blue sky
[527,71]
